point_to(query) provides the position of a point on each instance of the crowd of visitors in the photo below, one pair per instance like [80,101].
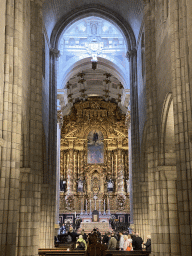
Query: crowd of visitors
[112,241]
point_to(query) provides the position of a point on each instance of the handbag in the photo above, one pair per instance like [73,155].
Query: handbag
[128,248]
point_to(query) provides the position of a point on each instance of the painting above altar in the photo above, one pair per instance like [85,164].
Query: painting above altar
[95,148]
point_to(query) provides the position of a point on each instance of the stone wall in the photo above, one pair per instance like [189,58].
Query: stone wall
[166,150]
[23,196]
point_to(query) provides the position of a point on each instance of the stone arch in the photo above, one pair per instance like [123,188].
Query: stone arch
[104,64]
[94,10]
[167,141]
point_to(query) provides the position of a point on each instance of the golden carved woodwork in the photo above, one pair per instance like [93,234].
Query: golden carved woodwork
[86,116]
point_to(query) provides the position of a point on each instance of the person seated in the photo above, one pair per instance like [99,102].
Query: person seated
[62,229]
[84,235]
[80,246]
[80,239]
[69,239]
[112,243]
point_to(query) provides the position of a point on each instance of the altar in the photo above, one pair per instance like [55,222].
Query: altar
[95,220]
[89,226]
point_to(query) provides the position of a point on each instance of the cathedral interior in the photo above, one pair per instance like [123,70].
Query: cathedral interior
[95,120]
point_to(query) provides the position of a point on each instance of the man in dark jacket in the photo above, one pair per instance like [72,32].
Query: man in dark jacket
[138,243]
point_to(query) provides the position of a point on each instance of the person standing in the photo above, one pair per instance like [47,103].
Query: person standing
[112,243]
[127,243]
[148,243]
[138,243]
[121,242]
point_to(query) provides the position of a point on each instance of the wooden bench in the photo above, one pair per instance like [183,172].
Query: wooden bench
[121,253]
[57,252]
[60,252]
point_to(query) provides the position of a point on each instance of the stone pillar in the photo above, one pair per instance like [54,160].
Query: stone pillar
[180,19]
[58,174]
[70,172]
[120,173]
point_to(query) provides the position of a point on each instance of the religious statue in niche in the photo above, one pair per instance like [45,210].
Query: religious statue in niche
[95,148]
[95,184]
[63,185]
[80,185]
[94,29]
[110,185]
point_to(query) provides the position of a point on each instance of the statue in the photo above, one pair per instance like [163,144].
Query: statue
[110,185]
[80,185]
[95,137]
[128,186]
[63,185]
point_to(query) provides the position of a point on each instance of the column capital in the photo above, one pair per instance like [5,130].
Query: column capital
[55,52]
[131,53]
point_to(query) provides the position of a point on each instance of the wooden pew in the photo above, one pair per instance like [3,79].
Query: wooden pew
[122,253]
[59,252]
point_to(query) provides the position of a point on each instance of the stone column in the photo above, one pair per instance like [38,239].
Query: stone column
[181,53]
[70,172]
[58,174]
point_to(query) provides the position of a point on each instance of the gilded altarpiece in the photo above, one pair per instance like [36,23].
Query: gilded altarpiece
[94,159]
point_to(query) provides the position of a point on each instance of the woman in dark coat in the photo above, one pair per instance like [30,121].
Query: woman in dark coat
[148,243]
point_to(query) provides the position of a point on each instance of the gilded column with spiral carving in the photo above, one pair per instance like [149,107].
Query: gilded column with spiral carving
[65,154]
[81,165]
[120,173]
[70,172]
[109,164]
[75,171]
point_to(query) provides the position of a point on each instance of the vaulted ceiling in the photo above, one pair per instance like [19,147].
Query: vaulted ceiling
[129,10]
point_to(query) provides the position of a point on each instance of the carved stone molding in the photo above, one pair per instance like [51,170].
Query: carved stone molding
[130,54]
[55,52]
